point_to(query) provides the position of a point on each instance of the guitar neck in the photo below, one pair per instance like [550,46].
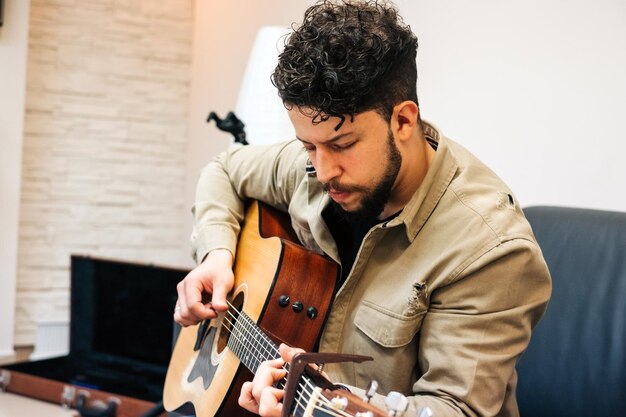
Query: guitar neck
[252,346]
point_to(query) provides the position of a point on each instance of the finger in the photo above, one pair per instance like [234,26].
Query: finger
[273,363]
[221,287]
[195,309]
[223,279]
[266,377]
[183,322]
[180,303]
[180,319]
[270,404]
[246,400]
[176,314]
[200,311]
[287,352]
[185,297]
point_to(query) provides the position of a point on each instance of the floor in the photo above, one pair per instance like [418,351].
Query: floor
[12,405]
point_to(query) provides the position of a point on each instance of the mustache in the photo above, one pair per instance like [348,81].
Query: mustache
[336,186]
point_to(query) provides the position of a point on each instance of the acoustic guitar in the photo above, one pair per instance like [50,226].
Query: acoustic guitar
[282,293]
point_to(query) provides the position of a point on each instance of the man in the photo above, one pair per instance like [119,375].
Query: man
[442,277]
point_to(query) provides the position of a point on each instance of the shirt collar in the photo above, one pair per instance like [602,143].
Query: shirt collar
[440,173]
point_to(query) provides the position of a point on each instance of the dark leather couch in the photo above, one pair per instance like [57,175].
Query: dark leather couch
[575,364]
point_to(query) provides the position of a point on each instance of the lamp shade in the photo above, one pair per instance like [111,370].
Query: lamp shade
[258,104]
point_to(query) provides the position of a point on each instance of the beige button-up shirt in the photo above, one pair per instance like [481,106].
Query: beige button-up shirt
[444,296]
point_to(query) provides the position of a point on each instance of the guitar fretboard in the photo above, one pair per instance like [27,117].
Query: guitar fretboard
[252,346]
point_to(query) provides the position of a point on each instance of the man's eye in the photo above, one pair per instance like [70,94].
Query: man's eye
[343,146]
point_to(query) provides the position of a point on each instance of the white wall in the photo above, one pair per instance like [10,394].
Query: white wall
[534,88]
[224,33]
[105,135]
[13,47]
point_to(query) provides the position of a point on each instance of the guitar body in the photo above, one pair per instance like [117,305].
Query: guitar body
[203,371]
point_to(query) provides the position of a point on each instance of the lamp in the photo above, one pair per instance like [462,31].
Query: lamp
[258,104]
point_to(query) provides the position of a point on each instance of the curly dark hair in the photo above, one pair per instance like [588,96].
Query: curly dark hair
[348,57]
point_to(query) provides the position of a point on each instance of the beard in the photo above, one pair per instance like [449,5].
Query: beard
[374,198]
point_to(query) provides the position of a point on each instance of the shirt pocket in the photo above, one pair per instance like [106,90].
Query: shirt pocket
[385,327]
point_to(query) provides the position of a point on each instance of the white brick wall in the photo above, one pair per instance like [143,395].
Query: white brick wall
[105,142]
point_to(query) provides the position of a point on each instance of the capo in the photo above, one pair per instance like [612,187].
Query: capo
[300,364]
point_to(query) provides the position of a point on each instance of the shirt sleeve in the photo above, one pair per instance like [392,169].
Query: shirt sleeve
[476,329]
[265,173]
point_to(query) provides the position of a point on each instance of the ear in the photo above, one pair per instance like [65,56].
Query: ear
[404,119]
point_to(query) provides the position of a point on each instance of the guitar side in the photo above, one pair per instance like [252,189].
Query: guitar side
[268,266]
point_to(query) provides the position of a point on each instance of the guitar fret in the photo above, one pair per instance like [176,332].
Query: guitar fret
[248,342]
[250,354]
[253,362]
[234,341]
[243,350]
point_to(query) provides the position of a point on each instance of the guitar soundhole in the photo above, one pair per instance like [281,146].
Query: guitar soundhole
[228,321]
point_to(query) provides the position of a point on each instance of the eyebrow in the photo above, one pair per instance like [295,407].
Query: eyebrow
[331,140]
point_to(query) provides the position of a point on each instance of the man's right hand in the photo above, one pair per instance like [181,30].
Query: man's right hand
[214,277]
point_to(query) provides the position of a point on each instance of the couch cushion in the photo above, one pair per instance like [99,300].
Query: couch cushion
[575,364]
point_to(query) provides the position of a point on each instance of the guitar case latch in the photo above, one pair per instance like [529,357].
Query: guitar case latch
[97,408]
[5,378]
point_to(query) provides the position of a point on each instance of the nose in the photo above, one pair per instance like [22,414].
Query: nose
[326,165]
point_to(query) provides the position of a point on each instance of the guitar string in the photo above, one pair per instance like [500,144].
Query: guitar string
[258,353]
[245,328]
[303,389]
[311,388]
[258,333]
[330,410]
[308,388]
[321,403]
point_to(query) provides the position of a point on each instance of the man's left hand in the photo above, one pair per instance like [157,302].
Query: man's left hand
[259,395]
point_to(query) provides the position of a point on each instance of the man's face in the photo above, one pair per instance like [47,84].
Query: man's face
[357,164]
